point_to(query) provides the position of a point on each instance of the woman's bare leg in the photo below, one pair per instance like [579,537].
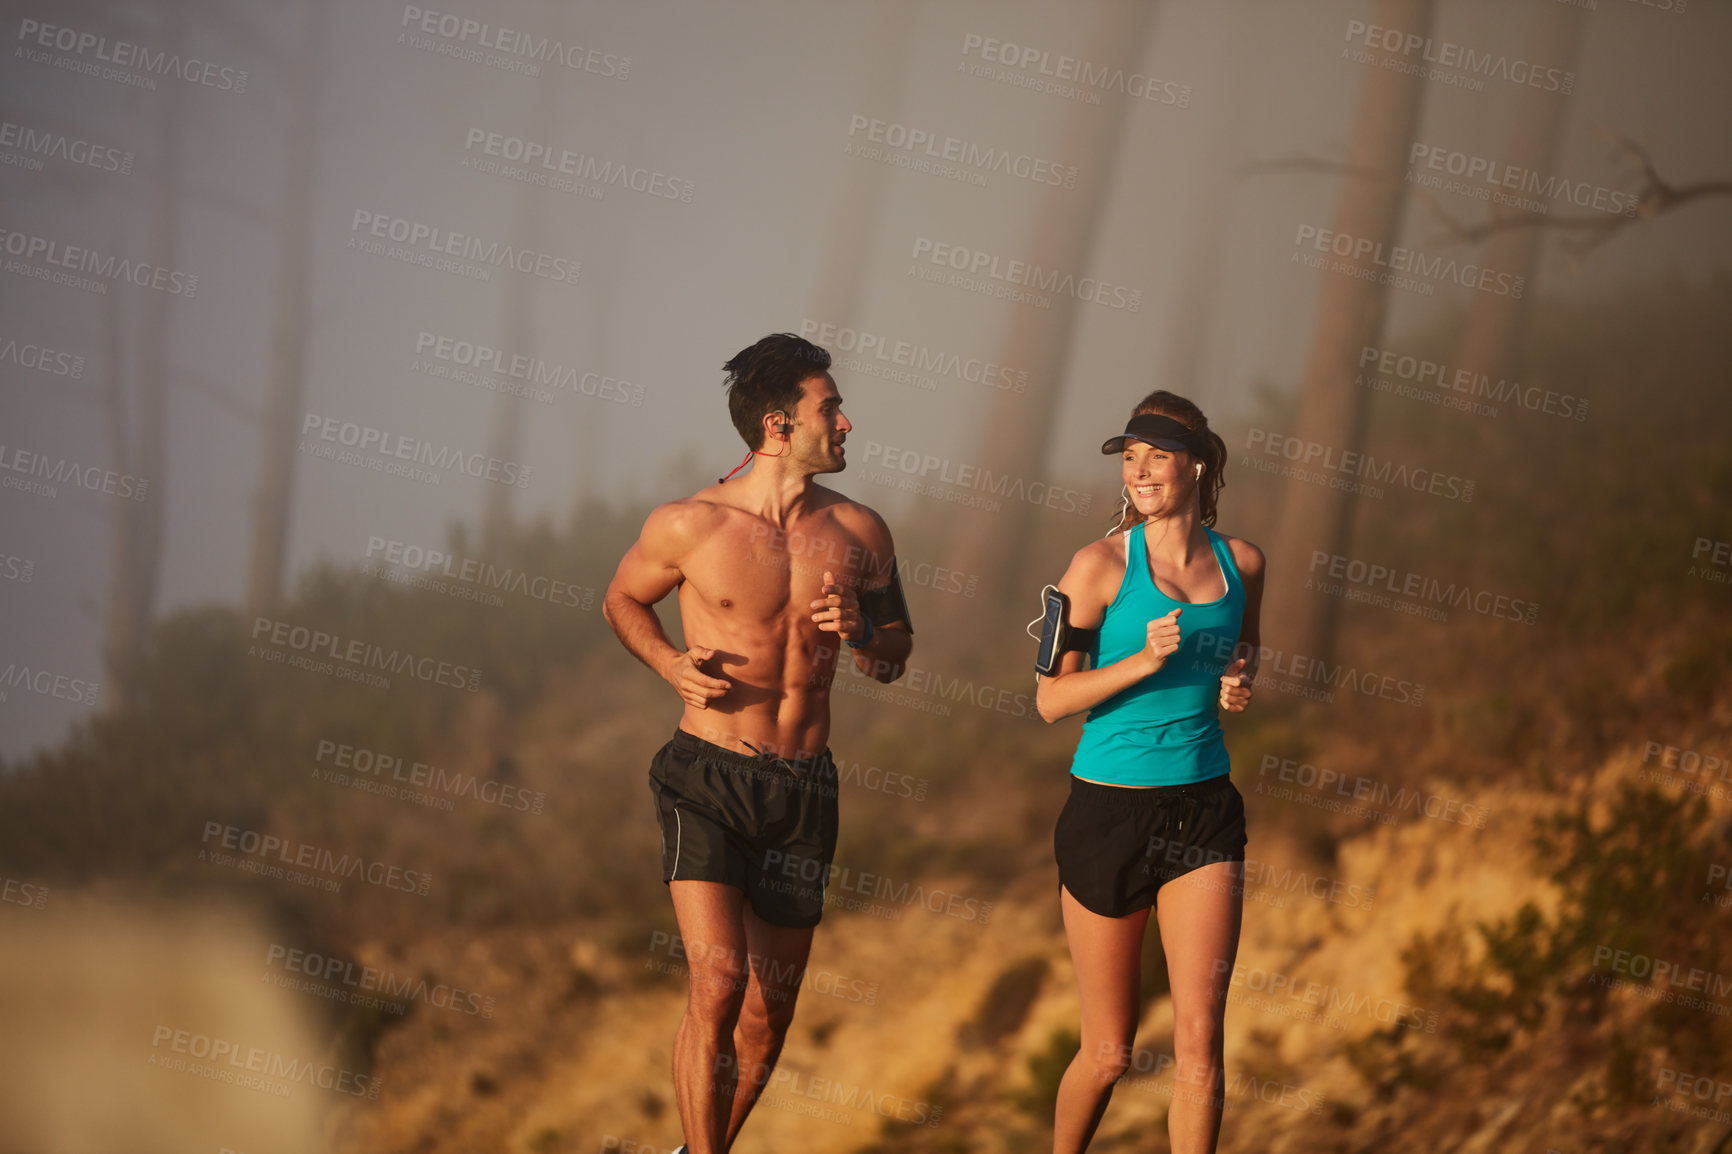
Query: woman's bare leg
[1107,955]
[1199,915]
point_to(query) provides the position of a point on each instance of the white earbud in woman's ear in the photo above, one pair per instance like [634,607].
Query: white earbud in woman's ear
[1199,472]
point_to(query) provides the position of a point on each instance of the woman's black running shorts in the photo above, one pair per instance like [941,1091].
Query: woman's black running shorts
[1117,846]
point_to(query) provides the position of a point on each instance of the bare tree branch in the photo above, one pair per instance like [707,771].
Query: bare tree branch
[1654,197]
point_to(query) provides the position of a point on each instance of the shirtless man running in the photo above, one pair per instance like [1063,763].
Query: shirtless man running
[775,574]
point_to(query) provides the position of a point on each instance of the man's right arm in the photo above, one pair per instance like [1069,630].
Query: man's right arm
[648,572]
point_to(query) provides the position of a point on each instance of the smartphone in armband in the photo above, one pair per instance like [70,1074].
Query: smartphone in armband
[1052,629]
[1057,635]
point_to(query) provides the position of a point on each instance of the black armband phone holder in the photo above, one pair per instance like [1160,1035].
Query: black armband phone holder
[1057,635]
[886,604]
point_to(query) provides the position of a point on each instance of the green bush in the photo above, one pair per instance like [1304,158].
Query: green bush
[1633,884]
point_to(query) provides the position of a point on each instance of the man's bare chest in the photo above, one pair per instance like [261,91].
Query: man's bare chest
[758,572]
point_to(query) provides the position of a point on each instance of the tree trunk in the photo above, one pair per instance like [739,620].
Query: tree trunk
[138,524]
[1350,313]
[267,560]
[120,639]
[1489,343]
[1193,312]
[517,327]
[854,223]
[1018,427]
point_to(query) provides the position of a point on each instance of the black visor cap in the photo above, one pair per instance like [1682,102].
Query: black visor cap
[1154,429]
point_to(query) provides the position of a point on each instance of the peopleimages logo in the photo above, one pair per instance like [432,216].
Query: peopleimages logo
[1665,979]
[544,162]
[81,259]
[261,848]
[123,54]
[1456,58]
[1422,377]
[877,349]
[1483,178]
[1711,560]
[327,976]
[1315,677]
[538,377]
[931,470]
[354,654]
[872,887]
[991,272]
[402,447]
[800,1091]
[47,683]
[1327,460]
[367,770]
[46,472]
[1391,264]
[38,144]
[1286,880]
[1379,579]
[902,143]
[1328,999]
[528,48]
[1358,788]
[1690,761]
[1066,75]
[243,1060]
[483,575]
[1702,1095]
[28,894]
[815,555]
[425,243]
[27,355]
[927,689]
[774,975]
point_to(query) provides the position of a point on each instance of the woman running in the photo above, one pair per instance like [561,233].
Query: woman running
[1152,819]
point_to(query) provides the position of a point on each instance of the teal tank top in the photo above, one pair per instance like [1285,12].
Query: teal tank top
[1165,729]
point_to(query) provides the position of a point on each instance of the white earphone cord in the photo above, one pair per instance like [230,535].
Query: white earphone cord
[1029,628]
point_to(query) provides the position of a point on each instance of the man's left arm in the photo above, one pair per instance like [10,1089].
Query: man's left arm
[875,622]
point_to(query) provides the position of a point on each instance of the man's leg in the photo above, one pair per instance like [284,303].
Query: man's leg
[1199,915]
[778,957]
[705,1064]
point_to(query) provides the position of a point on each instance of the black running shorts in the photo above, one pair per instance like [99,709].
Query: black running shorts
[1116,846]
[755,822]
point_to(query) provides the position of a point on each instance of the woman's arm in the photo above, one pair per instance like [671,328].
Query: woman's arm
[1236,681]
[1091,583]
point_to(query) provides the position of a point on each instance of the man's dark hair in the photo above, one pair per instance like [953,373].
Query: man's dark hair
[766,377]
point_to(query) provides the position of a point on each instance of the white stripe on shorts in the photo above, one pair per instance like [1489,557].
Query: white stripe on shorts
[678,830]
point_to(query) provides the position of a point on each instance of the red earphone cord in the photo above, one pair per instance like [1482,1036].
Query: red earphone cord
[737,467]
[747,458]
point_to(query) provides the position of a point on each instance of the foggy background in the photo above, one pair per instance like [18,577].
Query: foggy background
[764,204]
[752,106]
